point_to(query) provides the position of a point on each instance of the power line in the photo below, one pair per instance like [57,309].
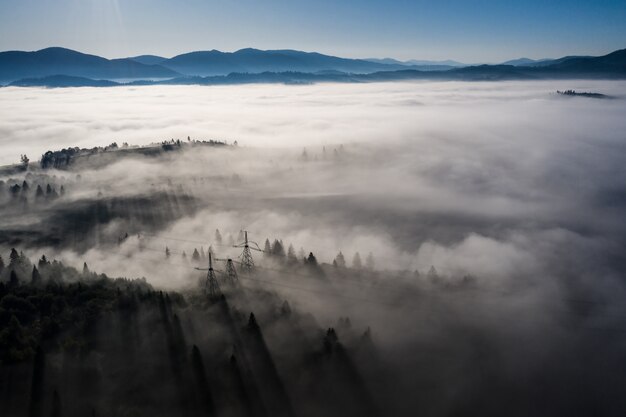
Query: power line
[388,286]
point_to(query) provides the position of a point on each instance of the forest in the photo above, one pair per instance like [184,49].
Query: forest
[221,280]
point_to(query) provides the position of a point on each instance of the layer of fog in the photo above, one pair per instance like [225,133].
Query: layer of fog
[509,183]
[488,179]
[33,120]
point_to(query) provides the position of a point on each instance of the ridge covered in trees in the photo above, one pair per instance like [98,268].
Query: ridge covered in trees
[87,344]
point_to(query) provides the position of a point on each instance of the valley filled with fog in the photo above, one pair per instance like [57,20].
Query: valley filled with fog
[488,218]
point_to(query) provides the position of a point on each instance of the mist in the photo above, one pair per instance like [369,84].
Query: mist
[493,213]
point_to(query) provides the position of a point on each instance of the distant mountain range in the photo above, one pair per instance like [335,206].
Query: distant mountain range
[59,67]
[417,62]
[15,65]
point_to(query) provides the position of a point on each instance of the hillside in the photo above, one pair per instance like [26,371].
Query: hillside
[205,63]
[15,65]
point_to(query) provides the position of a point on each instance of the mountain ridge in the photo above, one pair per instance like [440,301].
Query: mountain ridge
[254,65]
[16,65]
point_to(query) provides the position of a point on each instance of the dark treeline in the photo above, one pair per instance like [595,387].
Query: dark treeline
[34,189]
[70,156]
[76,343]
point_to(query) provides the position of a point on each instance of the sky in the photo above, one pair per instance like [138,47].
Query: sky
[469,31]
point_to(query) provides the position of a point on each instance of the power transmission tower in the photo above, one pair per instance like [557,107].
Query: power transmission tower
[211,286]
[231,273]
[247,263]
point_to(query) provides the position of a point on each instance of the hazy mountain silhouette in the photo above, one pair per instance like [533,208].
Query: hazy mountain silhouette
[204,63]
[527,62]
[615,62]
[148,59]
[15,65]
[294,67]
[418,62]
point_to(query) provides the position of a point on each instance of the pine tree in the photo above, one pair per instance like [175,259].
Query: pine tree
[218,237]
[356,261]
[196,255]
[13,279]
[369,262]
[340,260]
[43,262]
[39,193]
[35,277]
[252,324]
[167,252]
[291,255]
[432,274]
[267,250]
[14,258]
[278,250]
[85,269]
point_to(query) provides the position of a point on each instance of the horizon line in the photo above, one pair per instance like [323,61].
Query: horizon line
[304,51]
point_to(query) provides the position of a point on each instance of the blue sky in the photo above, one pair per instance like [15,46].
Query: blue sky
[468,31]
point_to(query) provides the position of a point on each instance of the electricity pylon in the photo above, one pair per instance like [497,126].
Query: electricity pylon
[231,273]
[211,286]
[247,263]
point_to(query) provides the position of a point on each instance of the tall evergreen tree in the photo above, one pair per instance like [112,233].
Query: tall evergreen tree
[278,250]
[291,255]
[356,261]
[35,276]
[218,237]
[39,193]
[432,274]
[13,279]
[14,259]
[340,260]
[43,262]
[369,262]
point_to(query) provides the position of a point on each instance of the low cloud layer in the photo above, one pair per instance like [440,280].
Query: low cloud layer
[517,196]
[468,114]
